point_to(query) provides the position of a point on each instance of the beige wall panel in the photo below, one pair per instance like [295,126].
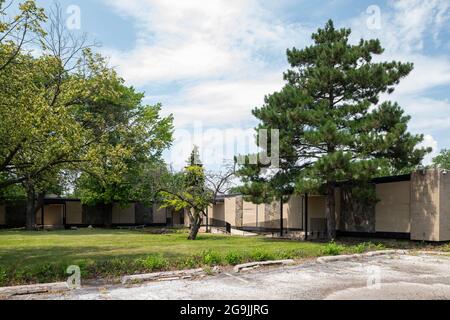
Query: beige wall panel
[218,212]
[316,213]
[392,212]
[271,217]
[2,215]
[230,210]
[249,214]
[260,214]
[53,215]
[74,212]
[316,206]
[121,215]
[425,206]
[159,215]
[294,212]
[444,207]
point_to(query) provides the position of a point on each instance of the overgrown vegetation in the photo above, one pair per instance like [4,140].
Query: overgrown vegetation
[43,257]
[69,120]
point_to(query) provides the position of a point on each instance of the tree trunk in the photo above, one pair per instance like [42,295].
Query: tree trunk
[331,212]
[31,209]
[34,203]
[195,228]
[196,222]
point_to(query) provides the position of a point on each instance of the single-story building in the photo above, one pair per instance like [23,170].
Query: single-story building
[60,213]
[414,206]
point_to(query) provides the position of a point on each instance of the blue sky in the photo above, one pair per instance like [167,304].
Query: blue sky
[211,62]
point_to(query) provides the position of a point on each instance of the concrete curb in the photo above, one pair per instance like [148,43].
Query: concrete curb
[434,253]
[361,256]
[162,276]
[252,265]
[34,289]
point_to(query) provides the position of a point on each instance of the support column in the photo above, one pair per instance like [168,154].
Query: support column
[306,216]
[281,217]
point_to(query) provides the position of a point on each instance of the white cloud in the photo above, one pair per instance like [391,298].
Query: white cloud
[222,103]
[429,141]
[428,115]
[429,72]
[225,56]
[185,40]
[406,29]
[406,25]
[414,18]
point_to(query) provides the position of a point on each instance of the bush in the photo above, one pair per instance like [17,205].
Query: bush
[3,276]
[362,247]
[333,249]
[290,254]
[155,263]
[233,258]
[189,262]
[367,246]
[211,258]
[261,255]
[47,271]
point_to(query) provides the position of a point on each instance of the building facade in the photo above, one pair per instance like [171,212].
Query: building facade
[415,207]
[59,213]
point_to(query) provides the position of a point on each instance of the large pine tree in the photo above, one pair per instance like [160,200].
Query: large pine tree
[332,124]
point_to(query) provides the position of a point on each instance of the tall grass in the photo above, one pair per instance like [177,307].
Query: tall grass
[27,258]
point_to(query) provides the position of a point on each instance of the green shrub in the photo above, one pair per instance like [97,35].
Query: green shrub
[113,267]
[189,262]
[262,255]
[332,249]
[362,247]
[211,258]
[233,258]
[380,246]
[367,246]
[49,272]
[3,276]
[290,254]
[155,263]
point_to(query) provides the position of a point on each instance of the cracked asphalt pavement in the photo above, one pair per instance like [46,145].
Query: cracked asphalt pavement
[414,277]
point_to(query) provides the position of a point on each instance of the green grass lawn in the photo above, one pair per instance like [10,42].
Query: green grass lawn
[35,257]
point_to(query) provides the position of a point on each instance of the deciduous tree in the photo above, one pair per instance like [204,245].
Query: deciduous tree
[443,160]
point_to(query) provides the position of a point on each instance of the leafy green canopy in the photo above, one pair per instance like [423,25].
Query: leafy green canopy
[332,124]
[187,189]
[130,139]
[58,117]
[443,160]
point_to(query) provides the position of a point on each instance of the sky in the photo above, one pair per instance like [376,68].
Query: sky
[209,63]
